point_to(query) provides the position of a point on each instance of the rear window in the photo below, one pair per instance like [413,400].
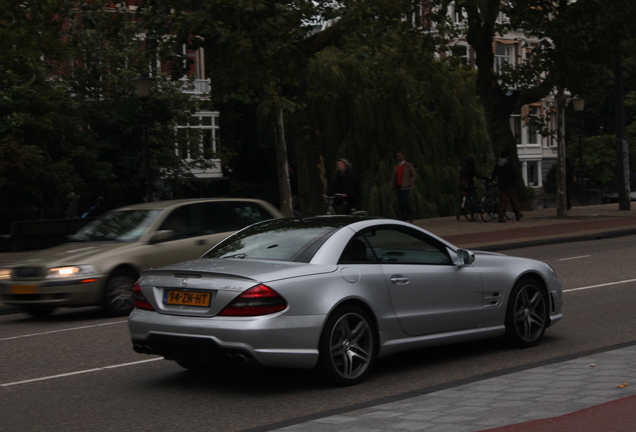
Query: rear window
[272,242]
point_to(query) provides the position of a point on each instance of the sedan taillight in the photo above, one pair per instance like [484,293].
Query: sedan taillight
[140,300]
[258,300]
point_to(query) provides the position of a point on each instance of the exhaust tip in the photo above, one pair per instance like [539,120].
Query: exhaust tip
[142,349]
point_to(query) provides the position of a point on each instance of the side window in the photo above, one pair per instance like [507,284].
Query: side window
[222,216]
[399,246]
[182,222]
[219,217]
[250,212]
[356,252]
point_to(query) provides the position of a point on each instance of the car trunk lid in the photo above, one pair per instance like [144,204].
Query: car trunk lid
[205,287]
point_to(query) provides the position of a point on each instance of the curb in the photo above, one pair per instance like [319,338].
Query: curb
[557,240]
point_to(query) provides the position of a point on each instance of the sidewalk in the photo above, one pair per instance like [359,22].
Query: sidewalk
[586,394]
[537,227]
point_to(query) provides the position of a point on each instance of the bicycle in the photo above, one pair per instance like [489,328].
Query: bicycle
[470,205]
[490,204]
[340,203]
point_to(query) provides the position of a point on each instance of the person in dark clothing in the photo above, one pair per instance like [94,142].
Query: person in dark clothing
[506,175]
[346,185]
[467,180]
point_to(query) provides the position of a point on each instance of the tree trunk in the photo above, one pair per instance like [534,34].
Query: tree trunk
[312,182]
[282,165]
[498,105]
[561,168]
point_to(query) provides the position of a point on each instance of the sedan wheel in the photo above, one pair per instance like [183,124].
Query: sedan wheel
[527,314]
[347,346]
[118,299]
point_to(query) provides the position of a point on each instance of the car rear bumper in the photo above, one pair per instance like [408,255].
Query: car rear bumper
[272,340]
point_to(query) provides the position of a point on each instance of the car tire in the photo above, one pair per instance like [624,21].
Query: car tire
[527,314]
[118,299]
[38,311]
[347,347]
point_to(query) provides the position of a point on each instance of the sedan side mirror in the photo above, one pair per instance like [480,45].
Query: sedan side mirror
[161,236]
[465,257]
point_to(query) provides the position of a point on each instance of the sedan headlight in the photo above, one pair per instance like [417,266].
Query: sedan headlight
[70,271]
[5,273]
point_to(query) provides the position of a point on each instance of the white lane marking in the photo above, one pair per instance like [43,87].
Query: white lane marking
[62,330]
[161,358]
[79,372]
[600,285]
[573,258]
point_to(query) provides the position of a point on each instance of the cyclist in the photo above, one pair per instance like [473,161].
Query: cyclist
[345,185]
[467,182]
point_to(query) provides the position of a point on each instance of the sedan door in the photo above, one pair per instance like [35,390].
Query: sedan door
[429,293]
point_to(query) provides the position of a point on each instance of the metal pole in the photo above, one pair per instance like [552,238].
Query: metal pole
[581,177]
[147,170]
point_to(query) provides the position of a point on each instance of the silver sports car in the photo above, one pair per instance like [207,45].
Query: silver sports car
[335,293]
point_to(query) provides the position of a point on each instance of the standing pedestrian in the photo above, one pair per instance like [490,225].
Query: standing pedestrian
[403,181]
[506,175]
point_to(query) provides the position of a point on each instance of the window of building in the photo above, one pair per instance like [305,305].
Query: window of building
[532,173]
[205,125]
[460,52]
[515,125]
[532,129]
[503,56]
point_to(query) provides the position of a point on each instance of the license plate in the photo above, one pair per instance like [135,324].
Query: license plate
[23,289]
[187,298]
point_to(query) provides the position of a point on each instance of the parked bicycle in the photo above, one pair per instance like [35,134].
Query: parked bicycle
[490,204]
[470,206]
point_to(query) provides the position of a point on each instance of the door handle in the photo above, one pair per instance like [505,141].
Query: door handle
[399,280]
[201,242]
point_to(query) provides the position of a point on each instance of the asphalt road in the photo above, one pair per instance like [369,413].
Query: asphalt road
[76,370]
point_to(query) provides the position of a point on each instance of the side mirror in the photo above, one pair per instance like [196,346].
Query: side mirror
[465,257]
[161,236]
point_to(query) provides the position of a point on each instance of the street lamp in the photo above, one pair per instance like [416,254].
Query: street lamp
[143,84]
[579,104]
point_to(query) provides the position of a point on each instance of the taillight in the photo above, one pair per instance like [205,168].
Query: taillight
[140,300]
[258,300]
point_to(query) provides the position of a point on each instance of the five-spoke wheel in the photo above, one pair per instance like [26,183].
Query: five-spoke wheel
[347,346]
[527,314]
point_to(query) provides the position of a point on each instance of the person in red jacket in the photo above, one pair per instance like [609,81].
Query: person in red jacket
[403,181]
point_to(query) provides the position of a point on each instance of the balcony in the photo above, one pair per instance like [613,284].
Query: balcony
[201,88]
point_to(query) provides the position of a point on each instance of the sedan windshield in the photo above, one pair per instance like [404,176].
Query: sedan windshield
[273,240]
[125,226]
